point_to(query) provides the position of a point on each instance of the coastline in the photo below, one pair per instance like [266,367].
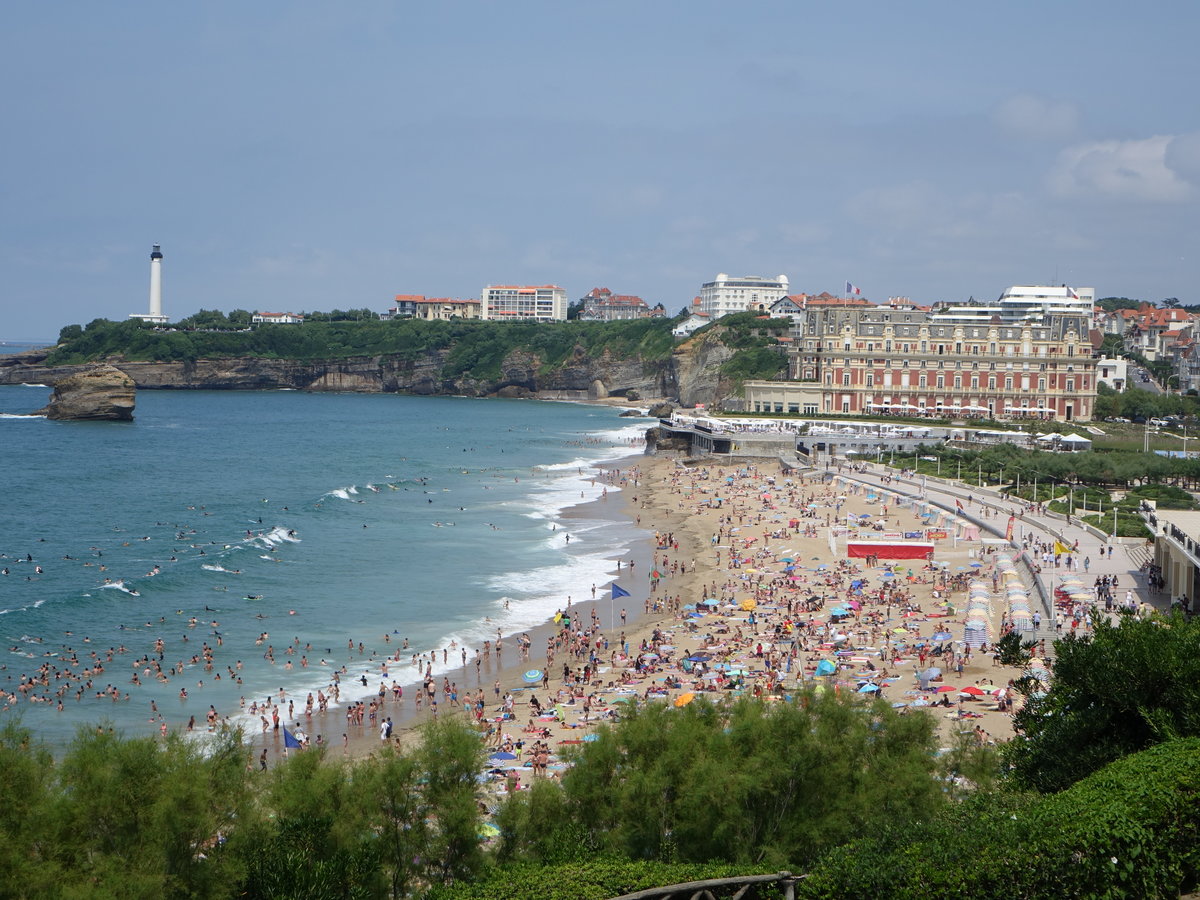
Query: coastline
[621,508]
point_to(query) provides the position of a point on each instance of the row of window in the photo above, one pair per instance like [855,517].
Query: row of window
[923,381]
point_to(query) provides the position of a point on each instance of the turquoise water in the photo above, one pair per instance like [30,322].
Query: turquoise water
[311,517]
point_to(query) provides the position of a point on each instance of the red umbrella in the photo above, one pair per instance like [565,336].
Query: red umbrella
[973,691]
[946,689]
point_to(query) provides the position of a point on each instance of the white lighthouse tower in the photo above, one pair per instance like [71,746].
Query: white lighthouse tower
[155,315]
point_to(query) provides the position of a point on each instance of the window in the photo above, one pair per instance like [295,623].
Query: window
[846,379]
[1008,382]
[921,381]
[958,382]
[1070,385]
[941,381]
[870,379]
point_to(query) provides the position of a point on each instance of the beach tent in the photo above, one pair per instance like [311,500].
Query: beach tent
[1076,442]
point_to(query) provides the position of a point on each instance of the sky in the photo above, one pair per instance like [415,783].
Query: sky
[299,156]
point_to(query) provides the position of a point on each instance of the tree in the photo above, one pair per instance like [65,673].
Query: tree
[1125,688]
[70,333]
[754,783]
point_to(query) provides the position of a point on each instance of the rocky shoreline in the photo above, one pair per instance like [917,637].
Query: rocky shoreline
[691,375]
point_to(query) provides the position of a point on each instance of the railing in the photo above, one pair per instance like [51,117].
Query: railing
[717,888]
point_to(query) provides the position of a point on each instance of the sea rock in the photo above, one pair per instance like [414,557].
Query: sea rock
[661,410]
[101,392]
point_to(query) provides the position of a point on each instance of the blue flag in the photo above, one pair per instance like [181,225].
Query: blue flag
[289,740]
[618,591]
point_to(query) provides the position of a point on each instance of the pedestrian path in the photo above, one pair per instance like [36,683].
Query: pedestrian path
[986,507]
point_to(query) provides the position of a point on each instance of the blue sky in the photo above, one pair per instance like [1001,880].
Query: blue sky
[300,156]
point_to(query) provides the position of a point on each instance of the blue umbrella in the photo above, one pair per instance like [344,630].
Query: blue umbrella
[503,756]
[825,667]
[868,688]
[533,675]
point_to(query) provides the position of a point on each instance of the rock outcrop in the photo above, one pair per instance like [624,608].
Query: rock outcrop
[691,375]
[100,392]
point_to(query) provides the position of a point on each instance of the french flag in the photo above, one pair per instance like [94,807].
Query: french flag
[852,289]
[958,505]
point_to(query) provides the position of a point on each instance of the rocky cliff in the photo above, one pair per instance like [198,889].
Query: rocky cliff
[522,374]
[99,392]
[690,374]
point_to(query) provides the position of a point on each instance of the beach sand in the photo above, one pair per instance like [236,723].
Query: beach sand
[759,518]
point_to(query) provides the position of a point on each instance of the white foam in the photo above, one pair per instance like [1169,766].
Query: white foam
[19,416]
[27,384]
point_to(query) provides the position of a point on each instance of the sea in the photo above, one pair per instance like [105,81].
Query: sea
[248,522]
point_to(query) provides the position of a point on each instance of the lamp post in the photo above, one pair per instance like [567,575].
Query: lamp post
[981,473]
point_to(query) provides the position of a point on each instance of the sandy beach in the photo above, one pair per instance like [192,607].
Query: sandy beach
[736,592]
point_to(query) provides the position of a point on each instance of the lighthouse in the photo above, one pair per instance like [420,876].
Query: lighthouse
[156,282]
[155,315]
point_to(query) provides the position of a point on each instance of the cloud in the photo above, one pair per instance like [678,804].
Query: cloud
[1127,170]
[1037,118]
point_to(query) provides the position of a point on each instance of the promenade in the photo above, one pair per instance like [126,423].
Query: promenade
[987,508]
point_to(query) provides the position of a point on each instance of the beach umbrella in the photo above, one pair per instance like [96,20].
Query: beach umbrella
[533,675]
[488,830]
[973,691]
[946,689]
[930,673]
[942,636]
[868,688]
[684,699]
[502,756]
[825,667]
[976,565]
[700,657]
[749,605]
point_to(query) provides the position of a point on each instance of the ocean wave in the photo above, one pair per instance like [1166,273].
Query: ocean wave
[27,384]
[19,416]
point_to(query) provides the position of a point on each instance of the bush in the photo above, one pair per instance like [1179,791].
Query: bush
[1129,830]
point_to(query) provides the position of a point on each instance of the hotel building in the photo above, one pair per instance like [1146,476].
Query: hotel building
[1011,359]
[727,295]
[511,303]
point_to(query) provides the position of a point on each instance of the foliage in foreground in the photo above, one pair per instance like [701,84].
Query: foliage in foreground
[1121,690]
[139,818]
[1129,830]
[595,879]
[754,784]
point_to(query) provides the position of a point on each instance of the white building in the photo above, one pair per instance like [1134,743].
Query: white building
[728,295]
[513,303]
[1114,373]
[270,318]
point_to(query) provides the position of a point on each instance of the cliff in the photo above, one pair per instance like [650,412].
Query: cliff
[633,360]
[100,392]
[521,374]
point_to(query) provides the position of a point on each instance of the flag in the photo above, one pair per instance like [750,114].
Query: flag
[1008,532]
[958,505]
[852,289]
[289,740]
[1060,547]
[1071,293]
[618,591]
